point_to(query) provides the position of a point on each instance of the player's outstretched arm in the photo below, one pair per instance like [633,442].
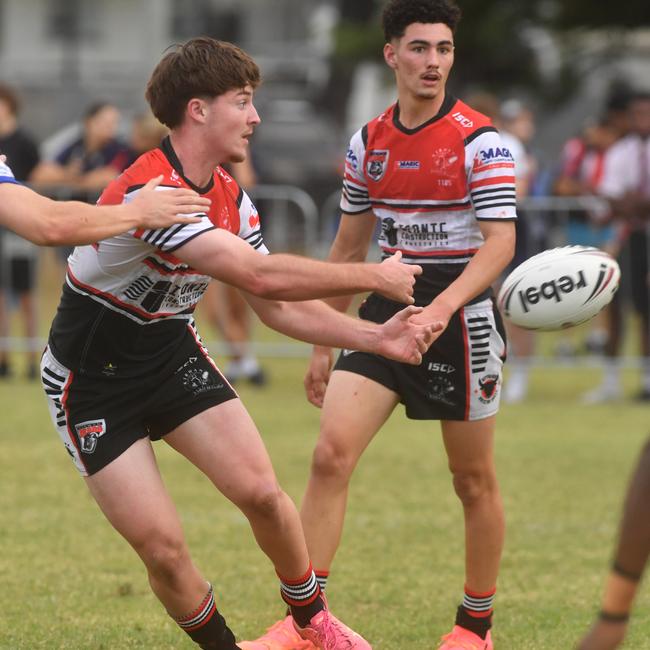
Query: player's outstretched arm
[315,322]
[394,342]
[54,223]
[228,258]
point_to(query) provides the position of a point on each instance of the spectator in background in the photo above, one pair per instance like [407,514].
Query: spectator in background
[146,133]
[228,312]
[626,184]
[94,159]
[581,171]
[516,124]
[17,256]
[86,165]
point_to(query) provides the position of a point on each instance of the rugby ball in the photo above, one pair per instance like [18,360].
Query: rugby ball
[559,288]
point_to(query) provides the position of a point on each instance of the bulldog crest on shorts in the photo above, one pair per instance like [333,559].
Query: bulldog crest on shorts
[88,432]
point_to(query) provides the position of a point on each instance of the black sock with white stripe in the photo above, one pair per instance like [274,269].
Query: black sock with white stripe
[207,627]
[475,614]
[303,595]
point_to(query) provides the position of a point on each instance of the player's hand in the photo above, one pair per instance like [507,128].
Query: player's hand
[398,279]
[437,314]
[160,209]
[403,340]
[318,375]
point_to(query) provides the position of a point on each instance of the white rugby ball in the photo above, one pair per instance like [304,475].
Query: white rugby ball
[559,288]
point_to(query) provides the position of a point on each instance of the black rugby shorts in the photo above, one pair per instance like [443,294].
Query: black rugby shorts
[460,375]
[99,418]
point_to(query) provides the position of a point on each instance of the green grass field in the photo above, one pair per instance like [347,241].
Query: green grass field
[68,581]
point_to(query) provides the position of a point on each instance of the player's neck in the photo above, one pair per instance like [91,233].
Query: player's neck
[414,111]
[198,162]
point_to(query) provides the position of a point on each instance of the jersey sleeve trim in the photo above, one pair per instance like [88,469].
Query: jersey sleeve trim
[189,239]
[479,132]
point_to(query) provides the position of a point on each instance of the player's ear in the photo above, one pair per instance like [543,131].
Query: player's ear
[389,55]
[197,109]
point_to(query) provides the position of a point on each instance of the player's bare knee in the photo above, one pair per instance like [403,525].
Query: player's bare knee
[474,485]
[332,461]
[166,556]
[264,499]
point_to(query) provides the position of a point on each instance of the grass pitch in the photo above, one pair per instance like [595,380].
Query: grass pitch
[68,581]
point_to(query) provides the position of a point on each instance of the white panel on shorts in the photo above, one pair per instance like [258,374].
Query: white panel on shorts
[485,350]
[55,379]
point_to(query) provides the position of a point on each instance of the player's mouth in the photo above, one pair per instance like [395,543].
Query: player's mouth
[430,77]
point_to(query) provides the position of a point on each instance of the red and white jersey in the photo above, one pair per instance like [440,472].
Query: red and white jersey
[429,186]
[127,298]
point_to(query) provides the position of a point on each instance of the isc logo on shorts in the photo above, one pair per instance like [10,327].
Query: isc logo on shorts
[88,433]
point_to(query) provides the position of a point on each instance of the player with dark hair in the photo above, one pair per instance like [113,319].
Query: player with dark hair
[436,175]
[630,560]
[56,223]
[125,365]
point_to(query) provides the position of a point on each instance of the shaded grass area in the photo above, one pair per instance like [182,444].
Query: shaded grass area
[69,581]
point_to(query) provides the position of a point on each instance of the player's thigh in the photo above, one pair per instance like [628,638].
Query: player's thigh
[469,444]
[224,443]
[131,494]
[354,409]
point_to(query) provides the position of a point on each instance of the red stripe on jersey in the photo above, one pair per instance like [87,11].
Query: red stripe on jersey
[163,271]
[119,303]
[485,168]
[494,180]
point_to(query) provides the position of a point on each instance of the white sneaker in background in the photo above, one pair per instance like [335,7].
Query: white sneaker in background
[515,388]
[603,393]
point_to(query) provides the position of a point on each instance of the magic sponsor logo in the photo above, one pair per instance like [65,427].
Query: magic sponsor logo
[494,155]
[352,159]
[408,165]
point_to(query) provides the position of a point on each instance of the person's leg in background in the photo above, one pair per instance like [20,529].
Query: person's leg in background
[228,312]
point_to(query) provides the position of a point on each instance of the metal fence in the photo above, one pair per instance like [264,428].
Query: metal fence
[292,221]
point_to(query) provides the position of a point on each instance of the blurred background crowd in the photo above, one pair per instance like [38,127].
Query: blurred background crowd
[566,83]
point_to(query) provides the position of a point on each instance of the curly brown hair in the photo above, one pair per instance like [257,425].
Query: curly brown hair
[202,67]
[399,14]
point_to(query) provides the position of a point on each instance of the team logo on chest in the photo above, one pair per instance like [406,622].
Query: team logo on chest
[444,162]
[376,163]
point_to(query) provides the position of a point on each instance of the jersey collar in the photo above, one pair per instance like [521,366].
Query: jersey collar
[167,148]
[447,105]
